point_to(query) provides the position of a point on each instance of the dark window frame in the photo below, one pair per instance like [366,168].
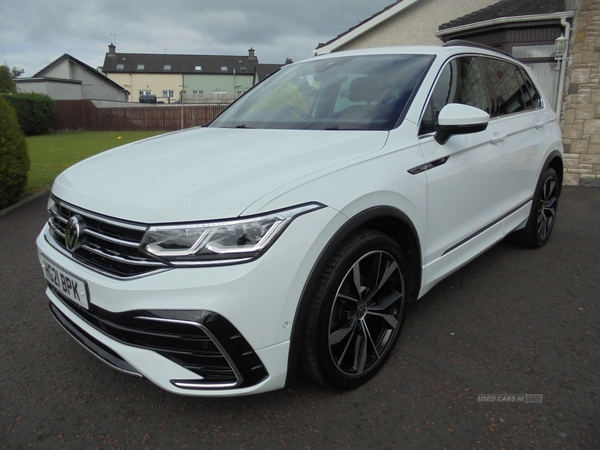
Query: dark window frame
[428,106]
[520,71]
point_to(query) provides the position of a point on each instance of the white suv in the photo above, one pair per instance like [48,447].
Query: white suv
[292,231]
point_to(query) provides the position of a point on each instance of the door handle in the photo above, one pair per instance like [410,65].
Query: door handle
[497,138]
[541,124]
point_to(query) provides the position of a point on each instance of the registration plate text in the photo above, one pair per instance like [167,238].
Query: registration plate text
[70,286]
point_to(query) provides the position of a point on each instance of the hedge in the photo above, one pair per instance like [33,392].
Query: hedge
[14,160]
[35,112]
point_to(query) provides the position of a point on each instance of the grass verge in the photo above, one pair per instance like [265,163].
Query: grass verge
[50,154]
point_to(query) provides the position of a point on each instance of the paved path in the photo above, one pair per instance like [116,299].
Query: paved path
[515,321]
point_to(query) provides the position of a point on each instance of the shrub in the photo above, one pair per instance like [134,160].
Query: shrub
[14,160]
[35,112]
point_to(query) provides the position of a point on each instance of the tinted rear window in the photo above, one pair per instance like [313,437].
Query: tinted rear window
[510,91]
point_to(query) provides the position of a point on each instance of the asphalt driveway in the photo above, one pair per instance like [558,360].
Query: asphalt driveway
[515,321]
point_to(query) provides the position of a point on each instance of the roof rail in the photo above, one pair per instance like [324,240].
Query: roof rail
[465,43]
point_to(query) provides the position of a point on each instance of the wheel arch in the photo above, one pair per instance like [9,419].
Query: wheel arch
[385,219]
[555,161]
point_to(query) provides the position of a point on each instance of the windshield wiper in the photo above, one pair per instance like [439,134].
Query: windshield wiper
[242,125]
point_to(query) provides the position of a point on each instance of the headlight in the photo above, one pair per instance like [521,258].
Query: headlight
[226,241]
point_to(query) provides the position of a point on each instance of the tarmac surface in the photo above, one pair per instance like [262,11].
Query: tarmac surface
[513,322]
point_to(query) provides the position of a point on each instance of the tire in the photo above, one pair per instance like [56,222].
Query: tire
[357,312]
[543,212]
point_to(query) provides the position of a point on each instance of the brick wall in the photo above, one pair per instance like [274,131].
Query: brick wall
[581,108]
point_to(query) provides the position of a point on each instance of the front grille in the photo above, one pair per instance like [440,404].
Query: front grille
[203,342]
[107,245]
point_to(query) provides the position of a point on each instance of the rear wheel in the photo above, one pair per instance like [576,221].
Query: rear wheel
[543,212]
[357,312]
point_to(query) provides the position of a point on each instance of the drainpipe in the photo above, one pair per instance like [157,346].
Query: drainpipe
[563,66]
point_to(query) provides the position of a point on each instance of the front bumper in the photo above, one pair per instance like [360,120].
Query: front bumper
[171,373]
[202,342]
[208,331]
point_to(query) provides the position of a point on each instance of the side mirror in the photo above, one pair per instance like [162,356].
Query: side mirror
[456,118]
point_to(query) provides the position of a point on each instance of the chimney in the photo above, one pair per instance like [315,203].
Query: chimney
[251,53]
[111,49]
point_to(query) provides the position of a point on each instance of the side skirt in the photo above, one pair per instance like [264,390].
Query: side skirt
[472,246]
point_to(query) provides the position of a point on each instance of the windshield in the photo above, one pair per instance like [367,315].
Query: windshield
[368,92]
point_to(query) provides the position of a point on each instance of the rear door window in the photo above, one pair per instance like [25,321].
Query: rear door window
[511,91]
[532,96]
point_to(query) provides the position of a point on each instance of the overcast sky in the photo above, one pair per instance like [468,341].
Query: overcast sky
[33,33]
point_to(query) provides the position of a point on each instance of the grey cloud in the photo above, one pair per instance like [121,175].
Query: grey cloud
[33,32]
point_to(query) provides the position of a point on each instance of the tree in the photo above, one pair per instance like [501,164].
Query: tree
[16,72]
[7,85]
[288,61]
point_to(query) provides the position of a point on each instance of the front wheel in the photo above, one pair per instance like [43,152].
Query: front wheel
[357,312]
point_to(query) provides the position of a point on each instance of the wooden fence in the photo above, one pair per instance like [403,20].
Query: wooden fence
[83,115]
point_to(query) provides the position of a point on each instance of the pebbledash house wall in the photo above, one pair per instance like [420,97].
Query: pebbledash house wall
[416,25]
[581,107]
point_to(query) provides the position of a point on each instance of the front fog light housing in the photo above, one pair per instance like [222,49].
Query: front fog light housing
[224,241]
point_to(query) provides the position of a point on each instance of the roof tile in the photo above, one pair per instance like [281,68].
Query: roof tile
[156,63]
[508,8]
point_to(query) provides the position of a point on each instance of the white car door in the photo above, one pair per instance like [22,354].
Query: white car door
[466,176]
[519,121]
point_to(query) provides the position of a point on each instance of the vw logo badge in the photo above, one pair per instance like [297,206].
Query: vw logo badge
[73,232]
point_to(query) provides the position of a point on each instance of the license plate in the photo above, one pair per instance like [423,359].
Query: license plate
[70,286]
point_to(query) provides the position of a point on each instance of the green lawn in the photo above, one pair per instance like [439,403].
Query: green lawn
[50,154]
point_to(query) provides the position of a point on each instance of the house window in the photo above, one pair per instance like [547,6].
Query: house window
[167,67]
[220,94]
[145,92]
[243,70]
[539,58]
[140,67]
[198,92]
[223,68]
[120,66]
[532,51]
[239,93]
[168,94]
[198,68]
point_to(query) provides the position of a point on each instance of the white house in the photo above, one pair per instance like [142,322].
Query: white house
[405,22]
[68,78]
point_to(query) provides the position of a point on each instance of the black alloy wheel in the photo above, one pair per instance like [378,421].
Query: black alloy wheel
[357,314]
[547,203]
[541,219]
